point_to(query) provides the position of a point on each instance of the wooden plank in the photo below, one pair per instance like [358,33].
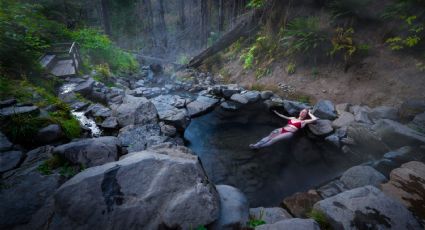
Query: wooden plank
[63,68]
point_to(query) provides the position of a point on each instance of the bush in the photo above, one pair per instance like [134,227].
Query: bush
[98,48]
[302,35]
[348,8]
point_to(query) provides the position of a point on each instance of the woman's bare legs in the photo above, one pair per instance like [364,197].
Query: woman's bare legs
[274,137]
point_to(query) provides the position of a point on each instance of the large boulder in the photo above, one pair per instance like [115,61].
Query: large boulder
[365,142]
[91,152]
[321,127]
[397,135]
[293,224]
[5,144]
[146,190]
[325,109]
[201,105]
[50,134]
[361,114]
[293,108]
[9,160]
[234,208]
[300,203]
[407,185]
[269,215]
[359,176]
[365,208]
[332,188]
[110,123]
[23,193]
[139,137]
[134,111]
[410,108]
[171,110]
[239,99]
[418,123]
[344,119]
[384,112]
[85,88]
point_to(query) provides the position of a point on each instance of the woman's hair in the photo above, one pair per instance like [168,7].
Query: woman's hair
[307,116]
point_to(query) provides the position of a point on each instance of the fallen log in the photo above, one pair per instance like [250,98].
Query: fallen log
[247,26]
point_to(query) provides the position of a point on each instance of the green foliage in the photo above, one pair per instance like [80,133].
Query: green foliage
[255,4]
[57,162]
[290,68]
[342,42]
[23,128]
[347,8]
[24,35]
[201,228]
[71,127]
[302,35]
[98,48]
[248,58]
[320,218]
[411,15]
[261,52]
[183,59]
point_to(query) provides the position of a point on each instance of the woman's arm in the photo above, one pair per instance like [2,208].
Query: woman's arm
[312,119]
[283,116]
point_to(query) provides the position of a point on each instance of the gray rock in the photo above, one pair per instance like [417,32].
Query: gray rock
[85,88]
[79,105]
[359,176]
[269,215]
[170,110]
[321,127]
[293,108]
[168,130]
[384,112]
[37,155]
[234,208]
[331,189]
[252,96]
[397,135]
[9,160]
[230,106]
[5,144]
[239,98]
[334,140]
[410,108]
[324,109]
[23,194]
[98,110]
[91,152]
[110,123]
[366,142]
[265,95]
[139,137]
[8,103]
[361,114]
[340,108]
[201,105]
[366,208]
[293,224]
[407,185]
[400,155]
[50,134]
[230,90]
[127,194]
[418,123]
[19,110]
[344,119]
[134,111]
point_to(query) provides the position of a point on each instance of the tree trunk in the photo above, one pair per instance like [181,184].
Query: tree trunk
[105,16]
[246,27]
[204,23]
[182,15]
[162,27]
[147,15]
[220,16]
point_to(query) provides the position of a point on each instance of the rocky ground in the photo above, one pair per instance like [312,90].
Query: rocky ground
[137,174]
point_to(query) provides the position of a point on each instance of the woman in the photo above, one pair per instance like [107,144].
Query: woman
[294,124]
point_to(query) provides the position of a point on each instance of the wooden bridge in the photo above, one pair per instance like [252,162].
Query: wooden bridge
[62,60]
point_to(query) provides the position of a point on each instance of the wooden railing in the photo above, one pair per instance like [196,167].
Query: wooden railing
[67,51]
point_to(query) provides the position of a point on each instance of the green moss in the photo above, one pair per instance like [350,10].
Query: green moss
[22,128]
[71,128]
[320,218]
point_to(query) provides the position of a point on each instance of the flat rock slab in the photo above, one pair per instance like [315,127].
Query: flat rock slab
[344,119]
[127,195]
[407,185]
[5,144]
[293,224]
[139,137]
[366,208]
[171,110]
[201,105]
[19,110]
[9,160]
[135,111]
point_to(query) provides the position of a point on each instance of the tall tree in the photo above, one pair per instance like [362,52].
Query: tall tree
[104,5]
[204,23]
[162,26]
[220,15]
[182,15]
